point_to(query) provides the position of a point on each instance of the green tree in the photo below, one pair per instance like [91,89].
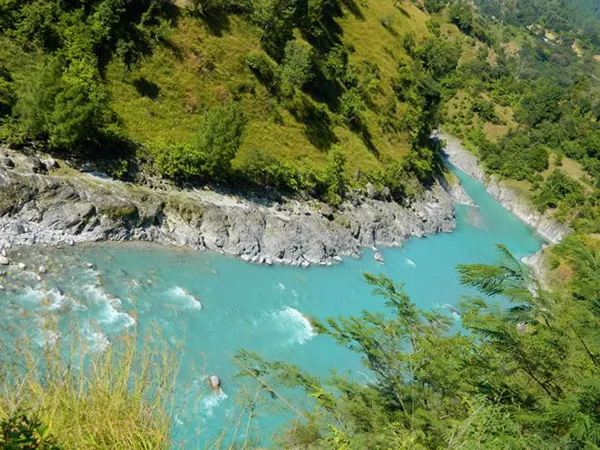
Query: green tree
[220,139]
[297,66]
[519,374]
[64,110]
[541,104]
[334,176]
[7,94]
[461,14]
[559,189]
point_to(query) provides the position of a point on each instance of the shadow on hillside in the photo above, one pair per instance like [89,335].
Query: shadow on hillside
[367,139]
[217,23]
[146,88]
[354,9]
[324,90]
[316,121]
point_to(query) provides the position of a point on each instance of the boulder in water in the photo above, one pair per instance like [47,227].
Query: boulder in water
[4,261]
[214,382]
[378,257]
[22,266]
[42,270]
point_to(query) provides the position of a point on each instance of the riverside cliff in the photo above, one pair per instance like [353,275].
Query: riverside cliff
[65,207]
[463,159]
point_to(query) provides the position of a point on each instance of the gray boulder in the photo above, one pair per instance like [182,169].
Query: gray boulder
[214,382]
[4,261]
[8,162]
[50,164]
[371,191]
[35,164]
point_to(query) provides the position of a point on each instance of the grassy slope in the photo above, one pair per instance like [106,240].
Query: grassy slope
[204,69]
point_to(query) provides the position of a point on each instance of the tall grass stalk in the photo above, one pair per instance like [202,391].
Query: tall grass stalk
[121,398]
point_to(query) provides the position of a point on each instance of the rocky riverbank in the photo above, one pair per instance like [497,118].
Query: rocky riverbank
[546,226]
[65,207]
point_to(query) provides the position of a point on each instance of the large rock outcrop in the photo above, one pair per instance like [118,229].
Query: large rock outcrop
[72,207]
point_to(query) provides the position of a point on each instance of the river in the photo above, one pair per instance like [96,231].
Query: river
[213,305]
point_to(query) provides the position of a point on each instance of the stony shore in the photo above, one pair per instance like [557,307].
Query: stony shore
[65,207]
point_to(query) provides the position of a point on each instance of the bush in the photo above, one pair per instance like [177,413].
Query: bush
[264,170]
[178,161]
[485,110]
[334,176]
[559,190]
[23,431]
[351,108]
[297,67]
[434,6]
[265,70]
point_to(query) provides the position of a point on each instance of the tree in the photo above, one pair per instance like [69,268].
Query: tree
[64,110]
[351,108]
[334,176]
[297,66]
[521,374]
[461,14]
[541,104]
[558,189]
[220,139]
[434,6]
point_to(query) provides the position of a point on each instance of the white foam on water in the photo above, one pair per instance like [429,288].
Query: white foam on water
[291,321]
[212,401]
[453,311]
[410,262]
[97,342]
[45,336]
[109,315]
[186,300]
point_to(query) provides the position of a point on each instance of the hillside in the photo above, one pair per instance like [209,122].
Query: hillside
[310,98]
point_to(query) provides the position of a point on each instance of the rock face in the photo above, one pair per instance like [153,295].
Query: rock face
[546,226]
[36,208]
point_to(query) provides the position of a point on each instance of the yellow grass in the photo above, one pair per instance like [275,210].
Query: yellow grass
[119,399]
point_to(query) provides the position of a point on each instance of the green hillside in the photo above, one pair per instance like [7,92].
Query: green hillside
[311,97]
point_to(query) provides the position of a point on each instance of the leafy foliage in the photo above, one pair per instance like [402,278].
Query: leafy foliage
[521,375]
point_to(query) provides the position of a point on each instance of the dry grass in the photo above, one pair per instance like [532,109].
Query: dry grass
[119,399]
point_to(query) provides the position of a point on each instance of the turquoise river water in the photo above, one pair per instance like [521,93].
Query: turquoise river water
[214,305]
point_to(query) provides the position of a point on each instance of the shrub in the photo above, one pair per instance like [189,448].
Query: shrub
[434,6]
[559,189]
[297,67]
[334,176]
[178,161]
[351,108]
[265,70]
[265,170]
